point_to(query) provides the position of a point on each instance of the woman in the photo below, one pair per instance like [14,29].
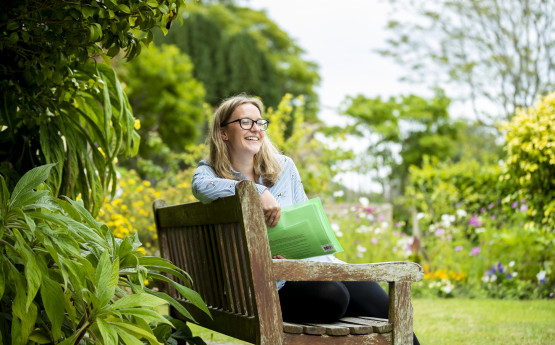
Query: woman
[240,150]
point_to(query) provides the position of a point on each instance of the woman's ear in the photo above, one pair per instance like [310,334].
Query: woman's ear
[223,133]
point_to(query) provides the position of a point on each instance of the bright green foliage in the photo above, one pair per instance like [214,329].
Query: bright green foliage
[531,159]
[489,50]
[167,101]
[225,42]
[315,160]
[64,278]
[403,130]
[58,106]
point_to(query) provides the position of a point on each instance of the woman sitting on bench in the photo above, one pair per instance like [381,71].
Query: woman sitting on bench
[240,150]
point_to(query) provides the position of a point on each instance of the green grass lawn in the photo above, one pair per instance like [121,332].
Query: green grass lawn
[462,321]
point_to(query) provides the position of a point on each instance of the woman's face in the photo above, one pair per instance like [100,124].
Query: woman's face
[243,143]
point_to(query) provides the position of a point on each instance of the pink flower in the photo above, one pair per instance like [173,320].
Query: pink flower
[458,248]
[475,251]
[492,205]
[374,240]
[475,221]
[523,208]
[515,204]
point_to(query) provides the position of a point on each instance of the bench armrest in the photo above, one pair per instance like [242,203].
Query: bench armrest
[302,270]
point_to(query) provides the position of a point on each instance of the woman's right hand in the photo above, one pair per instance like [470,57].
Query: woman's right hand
[271,208]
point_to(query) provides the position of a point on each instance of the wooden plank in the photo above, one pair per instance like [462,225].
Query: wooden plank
[230,305]
[332,328]
[366,339]
[400,313]
[260,269]
[223,210]
[292,328]
[355,329]
[302,270]
[218,282]
[236,265]
[378,325]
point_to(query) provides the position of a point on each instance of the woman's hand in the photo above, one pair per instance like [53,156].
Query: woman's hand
[271,208]
[277,256]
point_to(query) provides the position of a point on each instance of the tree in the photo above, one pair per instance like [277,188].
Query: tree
[168,101]
[402,131]
[500,52]
[58,105]
[207,34]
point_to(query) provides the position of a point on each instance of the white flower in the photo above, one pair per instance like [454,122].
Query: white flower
[541,275]
[419,215]
[514,274]
[447,288]
[485,279]
[361,249]
[335,227]
[479,230]
[364,201]
[511,264]
[384,225]
[370,217]
[461,213]
[338,194]
[493,278]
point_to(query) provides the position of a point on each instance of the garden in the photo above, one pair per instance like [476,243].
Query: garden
[105,106]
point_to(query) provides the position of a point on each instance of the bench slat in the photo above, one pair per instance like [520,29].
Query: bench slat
[378,325]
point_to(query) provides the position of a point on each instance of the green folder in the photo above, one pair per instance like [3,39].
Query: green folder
[303,231]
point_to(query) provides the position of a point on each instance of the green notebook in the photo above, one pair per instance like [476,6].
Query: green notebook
[303,231]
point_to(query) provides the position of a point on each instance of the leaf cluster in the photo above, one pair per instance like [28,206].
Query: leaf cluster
[65,279]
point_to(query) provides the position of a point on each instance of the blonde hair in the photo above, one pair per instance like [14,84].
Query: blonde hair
[266,163]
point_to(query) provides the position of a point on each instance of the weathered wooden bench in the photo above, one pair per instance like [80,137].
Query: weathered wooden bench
[224,247]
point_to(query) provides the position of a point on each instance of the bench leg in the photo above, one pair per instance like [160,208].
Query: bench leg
[400,312]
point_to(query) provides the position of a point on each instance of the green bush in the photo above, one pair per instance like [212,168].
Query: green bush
[64,278]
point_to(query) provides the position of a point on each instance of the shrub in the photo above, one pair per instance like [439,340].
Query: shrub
[64,278]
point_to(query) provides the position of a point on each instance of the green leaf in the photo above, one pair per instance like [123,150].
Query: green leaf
[29,181]
[106,278]
[189,294]
[40,337]
[172,302]
[4,195]
[137,331]
[53,301]
[108,332]
[145,314]
[127,338]
[32,272]
[124,8]
[138,300]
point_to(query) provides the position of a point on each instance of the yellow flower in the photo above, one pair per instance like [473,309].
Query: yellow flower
[137,125]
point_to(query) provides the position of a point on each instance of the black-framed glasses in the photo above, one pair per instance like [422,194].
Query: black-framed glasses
[247,123]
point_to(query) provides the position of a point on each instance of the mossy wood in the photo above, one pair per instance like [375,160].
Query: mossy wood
[224,247]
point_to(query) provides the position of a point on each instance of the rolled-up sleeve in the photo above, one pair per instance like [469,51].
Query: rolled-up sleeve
[207,186]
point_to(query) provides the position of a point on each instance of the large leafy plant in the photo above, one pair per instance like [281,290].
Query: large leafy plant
[65,279]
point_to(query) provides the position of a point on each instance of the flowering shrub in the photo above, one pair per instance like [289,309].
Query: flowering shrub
[458,251]
[131,210]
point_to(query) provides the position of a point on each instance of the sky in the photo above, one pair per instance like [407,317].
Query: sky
[341,37]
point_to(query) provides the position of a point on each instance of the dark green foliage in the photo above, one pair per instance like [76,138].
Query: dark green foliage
[56,104]
[236,45]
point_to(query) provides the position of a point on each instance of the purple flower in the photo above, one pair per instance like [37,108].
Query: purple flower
[439,232]
[474,221]
[398,224]
[509,276]
[493,217]
[515,204]
[492,205]
[500,267]
[381,218]
[523,208]
[475,251]
[458,248]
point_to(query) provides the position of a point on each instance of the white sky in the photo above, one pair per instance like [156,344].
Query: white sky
[341,37]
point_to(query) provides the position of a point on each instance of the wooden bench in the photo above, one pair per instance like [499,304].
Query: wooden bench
[224,247]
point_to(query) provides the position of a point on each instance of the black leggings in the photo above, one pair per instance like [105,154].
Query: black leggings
[328,301]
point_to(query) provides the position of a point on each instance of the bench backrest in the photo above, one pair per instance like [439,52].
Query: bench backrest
[224,248]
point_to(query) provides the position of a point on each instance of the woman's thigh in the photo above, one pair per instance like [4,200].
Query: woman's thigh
[321,301]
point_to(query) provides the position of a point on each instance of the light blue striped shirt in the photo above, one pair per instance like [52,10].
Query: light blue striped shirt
[287,190]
